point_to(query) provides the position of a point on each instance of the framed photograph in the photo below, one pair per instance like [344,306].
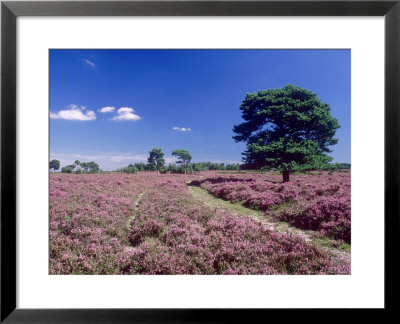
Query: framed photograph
[164,158]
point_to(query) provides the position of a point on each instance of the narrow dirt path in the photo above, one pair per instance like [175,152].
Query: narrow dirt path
[282,227]
[135,204]
[131,219]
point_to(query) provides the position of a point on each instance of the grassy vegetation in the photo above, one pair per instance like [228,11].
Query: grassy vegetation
[329,243]
[280,226]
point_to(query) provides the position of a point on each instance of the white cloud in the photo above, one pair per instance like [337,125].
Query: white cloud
[92,64]
[74,112]
[107,109]
[126,113]
[182,129]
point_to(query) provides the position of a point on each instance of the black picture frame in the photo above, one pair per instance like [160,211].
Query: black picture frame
[10,10]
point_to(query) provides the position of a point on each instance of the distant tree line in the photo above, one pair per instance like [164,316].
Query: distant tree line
[211,166]
[156,162]
[343,166]
[134,168]
[176,168]
[77,167]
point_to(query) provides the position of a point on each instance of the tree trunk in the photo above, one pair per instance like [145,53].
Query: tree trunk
[285,175]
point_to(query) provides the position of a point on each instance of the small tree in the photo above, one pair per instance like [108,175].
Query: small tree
[94,167]
[235,167]
[128,169]
[286,129]
[85,167]
[184,157]
[156,159]
[140,166]
[54,164]
[68,168]
[90,167]
[78,163]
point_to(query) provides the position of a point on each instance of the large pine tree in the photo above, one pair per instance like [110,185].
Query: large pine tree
[287,129]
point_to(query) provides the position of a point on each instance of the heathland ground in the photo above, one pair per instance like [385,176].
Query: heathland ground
[203,223]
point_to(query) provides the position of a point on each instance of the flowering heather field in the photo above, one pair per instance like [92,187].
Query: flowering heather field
[151,224]
[316,201]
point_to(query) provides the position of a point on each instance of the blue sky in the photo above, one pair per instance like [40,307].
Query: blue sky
[114,106]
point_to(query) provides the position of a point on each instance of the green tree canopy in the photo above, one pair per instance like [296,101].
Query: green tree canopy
[128,169]
[184,157]
[287,129]
[90,167]
[78,163]
[156,159]
[54,164]
[68,168]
